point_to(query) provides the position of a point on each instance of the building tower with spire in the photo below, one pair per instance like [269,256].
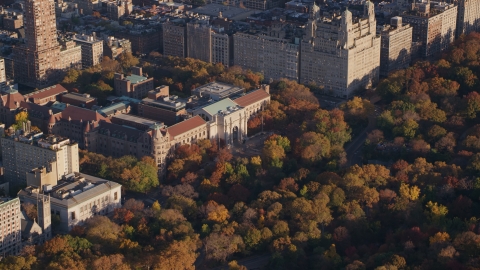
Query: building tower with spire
[341,53]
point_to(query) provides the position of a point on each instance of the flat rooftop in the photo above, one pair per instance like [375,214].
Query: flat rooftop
[79,97]
[134,79]
[217,90]
[227,11]
[169,103]
[136,119]
[75,189]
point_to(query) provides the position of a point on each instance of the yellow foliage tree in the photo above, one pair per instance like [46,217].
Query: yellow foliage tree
[412,193]
[219,215]
[439,237]
[20,118]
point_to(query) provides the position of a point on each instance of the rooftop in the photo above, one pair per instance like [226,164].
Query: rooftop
[135,119]
[185,126]
[111,109]
[8,200]
[220,106]
[79,97]
[217,90]
[251,97]
[227,11]
[74,189]
[47,92]
[75,113]
[170,103]
[135,78]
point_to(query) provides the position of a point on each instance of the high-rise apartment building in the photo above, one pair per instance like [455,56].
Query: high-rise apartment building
[27,150]
[92,49]
[342,53]
[119,8]
[434,25]
[468,19]
[199,41]
[10,232]
[396,48]
[37,60]
[221,48]
[3,76]
[273,55]
[70,55]
[174,39]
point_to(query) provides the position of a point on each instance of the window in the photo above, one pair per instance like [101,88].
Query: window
[115,196]
[73,215]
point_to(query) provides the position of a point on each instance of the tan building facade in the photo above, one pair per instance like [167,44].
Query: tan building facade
[396,46]
[341,54]
[22,153]
[221,49]
[468,17]
[275,57]
[36,62]
[92,50]
[199,41]
[10,233]
[174,40]
[434,25]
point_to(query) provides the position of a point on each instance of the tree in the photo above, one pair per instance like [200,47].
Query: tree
[178,255]
[219,247]
[273,154]
[20,119]
[127,60]
[313,147]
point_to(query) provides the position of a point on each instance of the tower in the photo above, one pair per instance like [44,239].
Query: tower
[36,62]
[345,29]
[44,216]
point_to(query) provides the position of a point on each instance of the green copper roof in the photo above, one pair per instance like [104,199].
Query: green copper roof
[135,78]
[220,105]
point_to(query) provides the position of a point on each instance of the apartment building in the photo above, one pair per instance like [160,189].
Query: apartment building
[396,47]
[74,198]
[434,25]
[135,85]
[10,232]
[199,41]
[24,150]
[174,39]
[3,76]
[220,50]
[113,47]
[37,61]
[142,41]
[274,56]
[92,49]
[341,53]
[13,21]
[70,56]
[468,19]
[118,8]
